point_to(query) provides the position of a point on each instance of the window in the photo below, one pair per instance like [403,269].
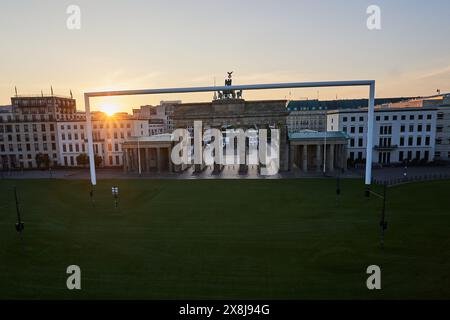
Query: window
[411,117]
[378,118]
[360,142]
[410,141]
[420,116]
[361,119]
[427,141]
[361,129]
[428,127]
[419,128]
[352,129]
[386,118]
[429,117]
[403,117]
[402,141]
[419,141]
[411,128]
[440,116]
[400,156]
[394,118]
[402,128]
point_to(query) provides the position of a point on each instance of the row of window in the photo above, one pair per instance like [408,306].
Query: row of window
[26,137]
[20,147]
[389,118]
[26,128]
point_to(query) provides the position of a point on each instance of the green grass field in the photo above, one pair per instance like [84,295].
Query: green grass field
[257,239]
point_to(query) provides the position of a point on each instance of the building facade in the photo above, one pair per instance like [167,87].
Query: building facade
[109,133]
[28,128]
[48,131]
[400,134]
[159,117]
[306,117]
[442,103]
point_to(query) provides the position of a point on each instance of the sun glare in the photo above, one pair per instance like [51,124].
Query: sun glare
[109,108]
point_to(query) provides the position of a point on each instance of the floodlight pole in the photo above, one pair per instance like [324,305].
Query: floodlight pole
[90,139]
[139,155]
[369,144]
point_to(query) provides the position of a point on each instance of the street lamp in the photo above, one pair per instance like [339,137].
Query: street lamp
[115,193]
[139,155]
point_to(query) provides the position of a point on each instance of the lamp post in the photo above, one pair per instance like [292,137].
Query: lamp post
[139,155]
[19,225]
[115,193]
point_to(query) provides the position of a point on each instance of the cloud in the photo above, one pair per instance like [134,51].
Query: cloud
[435,73]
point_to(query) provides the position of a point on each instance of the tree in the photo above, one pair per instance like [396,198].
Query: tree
[82,159]
[97,160]
[42,160]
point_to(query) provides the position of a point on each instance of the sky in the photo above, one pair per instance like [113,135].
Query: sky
[137,44]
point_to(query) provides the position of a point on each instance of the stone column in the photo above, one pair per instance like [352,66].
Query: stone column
[147,159]
[243,167]
[124,159]
[158,159]
[170,159]
[344,151]
[291,156]
[305,158]
[318,157]
[331,158]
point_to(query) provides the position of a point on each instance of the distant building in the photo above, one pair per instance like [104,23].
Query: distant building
[28,128]
[109,133]
[442,104]
[50,126]
[159,117]
[400,134]
[306,117]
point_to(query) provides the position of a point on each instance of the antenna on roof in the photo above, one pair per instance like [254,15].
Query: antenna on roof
[51,89]
[438,91]
[42,93]
[215,92]
[15,89]
[71,95]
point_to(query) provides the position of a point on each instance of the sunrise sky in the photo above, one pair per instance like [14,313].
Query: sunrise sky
[152,44]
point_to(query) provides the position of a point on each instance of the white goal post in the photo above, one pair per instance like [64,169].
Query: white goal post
[370,110]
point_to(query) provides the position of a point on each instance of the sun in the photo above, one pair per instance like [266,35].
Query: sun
[109,108]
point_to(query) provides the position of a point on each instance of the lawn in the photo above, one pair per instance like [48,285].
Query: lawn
[256,239]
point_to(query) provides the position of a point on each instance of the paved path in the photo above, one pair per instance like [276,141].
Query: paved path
[230,172]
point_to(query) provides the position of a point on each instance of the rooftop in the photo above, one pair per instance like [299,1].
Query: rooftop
[310,134]
[165,137]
